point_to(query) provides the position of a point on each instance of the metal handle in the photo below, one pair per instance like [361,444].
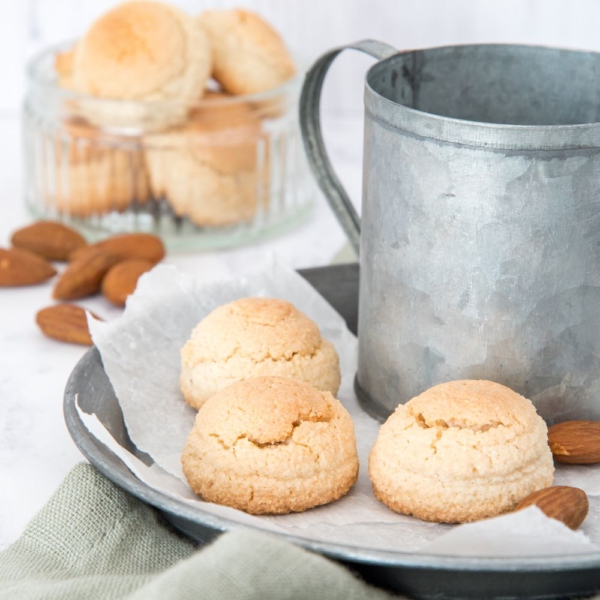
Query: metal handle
[310,125]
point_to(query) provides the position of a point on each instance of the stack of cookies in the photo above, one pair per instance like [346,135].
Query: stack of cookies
[188,97]
[270,437]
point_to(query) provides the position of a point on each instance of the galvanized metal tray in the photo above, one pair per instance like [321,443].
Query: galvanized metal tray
[418,575]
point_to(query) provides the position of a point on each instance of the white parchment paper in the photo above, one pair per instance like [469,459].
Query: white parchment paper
[140,353]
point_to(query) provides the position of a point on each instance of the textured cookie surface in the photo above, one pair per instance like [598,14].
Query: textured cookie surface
[249,56]
[461,451]
[255,337]
[142,51]
[213,169]
[271,445]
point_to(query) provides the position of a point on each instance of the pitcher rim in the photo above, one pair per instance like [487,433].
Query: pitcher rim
[501,136]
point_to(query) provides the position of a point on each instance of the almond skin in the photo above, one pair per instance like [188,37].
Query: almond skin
[21,267]
[66,323]
[122,279]
[49,239]
[83,277]
[567,504]
[129,245]
[575,442]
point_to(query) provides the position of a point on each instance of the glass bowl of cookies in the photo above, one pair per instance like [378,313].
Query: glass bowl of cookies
[157,121]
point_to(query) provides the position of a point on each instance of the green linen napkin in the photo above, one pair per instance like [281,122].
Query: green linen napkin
[94,541]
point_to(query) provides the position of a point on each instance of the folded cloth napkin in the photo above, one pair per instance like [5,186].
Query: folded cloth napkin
[95,541]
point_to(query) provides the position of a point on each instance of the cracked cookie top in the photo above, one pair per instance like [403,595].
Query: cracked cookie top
[477,405]
[464,430]
[258,328]
[143,51]
[271,445]
[461,451]
[266,411]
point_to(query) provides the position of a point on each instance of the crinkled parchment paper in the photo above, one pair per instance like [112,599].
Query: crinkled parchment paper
[140,352]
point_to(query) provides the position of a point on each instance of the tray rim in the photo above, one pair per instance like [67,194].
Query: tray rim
[88,445]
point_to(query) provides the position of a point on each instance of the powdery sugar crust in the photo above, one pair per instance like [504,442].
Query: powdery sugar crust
[271,445]
[255,337]
[461,451]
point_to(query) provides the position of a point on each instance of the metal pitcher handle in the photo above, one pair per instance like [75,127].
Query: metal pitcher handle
[310,125]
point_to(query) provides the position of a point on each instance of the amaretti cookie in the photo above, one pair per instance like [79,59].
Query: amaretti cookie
[271,445]
[249,56]
[461,451]
[93,172]
[255,337]
[142,51]
[214,169]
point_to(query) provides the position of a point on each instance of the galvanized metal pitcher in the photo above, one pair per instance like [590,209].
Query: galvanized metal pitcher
[480,234]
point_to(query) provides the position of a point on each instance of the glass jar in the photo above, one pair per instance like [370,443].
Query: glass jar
[224,171]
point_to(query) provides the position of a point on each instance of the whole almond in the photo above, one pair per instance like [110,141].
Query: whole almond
[83,252]
[575,442]
[122,279]
[21,267]
[65,322]
[129,245]
[567,504]
[49,239]
[83,277]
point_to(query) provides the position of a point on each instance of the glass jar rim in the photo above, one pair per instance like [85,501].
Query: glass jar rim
[37,77]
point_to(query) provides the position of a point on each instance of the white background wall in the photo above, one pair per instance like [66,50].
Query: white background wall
[312,26]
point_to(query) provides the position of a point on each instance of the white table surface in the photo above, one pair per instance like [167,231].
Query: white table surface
[36,451]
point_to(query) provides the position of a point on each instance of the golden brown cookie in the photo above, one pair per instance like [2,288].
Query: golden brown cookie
[461,451]
[225,134]
[255,337]
[142,51]
[215,169]
[93,172]
[205,196]
[249,56]
[271,445]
